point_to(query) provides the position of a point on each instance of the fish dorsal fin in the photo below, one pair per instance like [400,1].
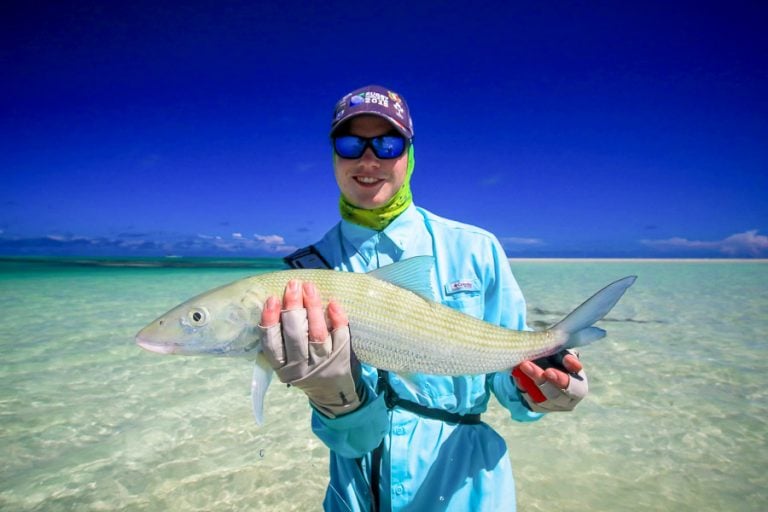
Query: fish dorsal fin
[416,274]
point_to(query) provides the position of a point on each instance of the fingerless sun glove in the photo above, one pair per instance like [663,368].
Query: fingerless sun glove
[327,371]
[547,397]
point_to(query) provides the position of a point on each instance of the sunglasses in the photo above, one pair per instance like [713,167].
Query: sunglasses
[385,147]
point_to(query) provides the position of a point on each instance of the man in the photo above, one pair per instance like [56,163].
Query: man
[401,442]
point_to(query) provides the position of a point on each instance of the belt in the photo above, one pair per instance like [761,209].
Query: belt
[392,400]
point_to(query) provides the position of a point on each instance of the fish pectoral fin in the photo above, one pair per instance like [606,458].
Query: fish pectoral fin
[262,374]
[416,274]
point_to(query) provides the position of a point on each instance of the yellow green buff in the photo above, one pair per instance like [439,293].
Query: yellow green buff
[379,218]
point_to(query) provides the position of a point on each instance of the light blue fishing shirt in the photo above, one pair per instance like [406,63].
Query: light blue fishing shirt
[427,464]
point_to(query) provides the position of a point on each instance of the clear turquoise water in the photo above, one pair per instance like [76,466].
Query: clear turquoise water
[677,417]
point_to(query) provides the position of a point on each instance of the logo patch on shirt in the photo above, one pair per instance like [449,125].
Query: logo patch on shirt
[462,285]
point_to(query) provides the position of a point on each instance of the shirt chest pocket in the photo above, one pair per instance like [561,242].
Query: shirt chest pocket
[465,295]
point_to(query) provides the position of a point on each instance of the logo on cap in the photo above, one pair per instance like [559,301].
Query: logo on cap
[399,110]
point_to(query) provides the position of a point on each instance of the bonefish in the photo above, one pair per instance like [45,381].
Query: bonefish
[394,322]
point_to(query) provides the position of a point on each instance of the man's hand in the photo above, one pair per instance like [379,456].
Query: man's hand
[308,353]
[545,385]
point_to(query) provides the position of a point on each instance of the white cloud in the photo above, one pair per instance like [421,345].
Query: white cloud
[167,243]
[514,240]
[270,239]
[748,243]
[271,244]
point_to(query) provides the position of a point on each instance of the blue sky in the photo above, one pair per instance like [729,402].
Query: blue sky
[599,129]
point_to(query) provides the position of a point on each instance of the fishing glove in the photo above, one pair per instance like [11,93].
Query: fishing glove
[328,371]
[547,397]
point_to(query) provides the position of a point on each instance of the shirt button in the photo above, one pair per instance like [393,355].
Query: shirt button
[398,489]
[399,431]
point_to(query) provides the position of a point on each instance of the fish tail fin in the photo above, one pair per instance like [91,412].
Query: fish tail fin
[262,374]
[577,326]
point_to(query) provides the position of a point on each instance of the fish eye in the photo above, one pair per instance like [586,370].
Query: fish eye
[197,317]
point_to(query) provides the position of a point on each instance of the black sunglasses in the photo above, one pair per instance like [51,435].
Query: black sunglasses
[385,147]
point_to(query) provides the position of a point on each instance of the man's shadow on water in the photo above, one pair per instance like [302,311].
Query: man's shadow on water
[454,465]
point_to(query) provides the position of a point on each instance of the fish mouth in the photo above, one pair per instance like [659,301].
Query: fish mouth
[159,348]
[188,350]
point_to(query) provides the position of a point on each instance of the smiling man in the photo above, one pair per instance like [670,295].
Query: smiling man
[414,441]
[368,182]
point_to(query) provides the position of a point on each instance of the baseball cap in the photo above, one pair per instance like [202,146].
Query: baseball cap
[374,100]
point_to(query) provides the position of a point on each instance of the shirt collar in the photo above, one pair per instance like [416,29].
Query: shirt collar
[399,231]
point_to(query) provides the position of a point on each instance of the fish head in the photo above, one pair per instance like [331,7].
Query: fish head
[221,322]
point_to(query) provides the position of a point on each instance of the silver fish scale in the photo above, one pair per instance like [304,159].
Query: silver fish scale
[395,329]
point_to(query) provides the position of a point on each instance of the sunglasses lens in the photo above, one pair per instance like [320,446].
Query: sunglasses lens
[349,146]
[384,147]
[388,146]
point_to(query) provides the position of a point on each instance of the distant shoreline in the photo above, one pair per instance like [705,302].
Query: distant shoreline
[276,263]
[640,260]
[142,262]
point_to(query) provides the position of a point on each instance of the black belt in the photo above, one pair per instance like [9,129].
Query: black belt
[392,400]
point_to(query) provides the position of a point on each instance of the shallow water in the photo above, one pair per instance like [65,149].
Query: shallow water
[676,418]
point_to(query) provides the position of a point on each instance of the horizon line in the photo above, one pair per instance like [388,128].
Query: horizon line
[172,257]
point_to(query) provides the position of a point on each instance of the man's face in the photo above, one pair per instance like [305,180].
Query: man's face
[369,182]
